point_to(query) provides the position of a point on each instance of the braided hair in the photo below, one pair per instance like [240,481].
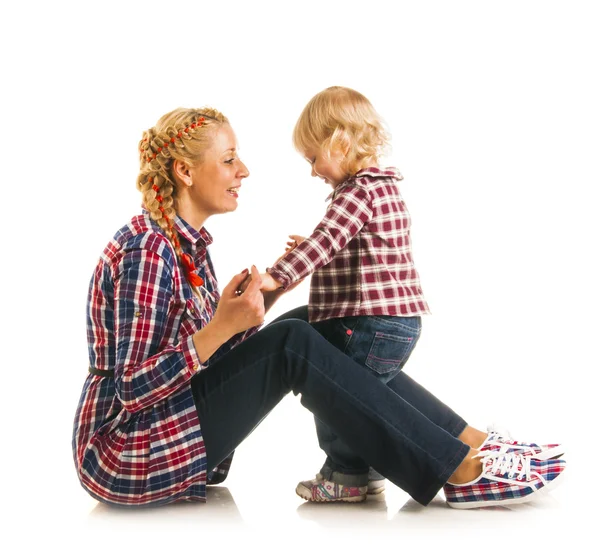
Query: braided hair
[183,134]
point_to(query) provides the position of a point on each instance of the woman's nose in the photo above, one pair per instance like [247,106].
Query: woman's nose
[243,172]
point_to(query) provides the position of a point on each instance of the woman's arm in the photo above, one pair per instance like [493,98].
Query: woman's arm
[235,314]
[149,367]
[150,364]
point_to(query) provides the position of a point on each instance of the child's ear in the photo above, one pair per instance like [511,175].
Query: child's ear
[339,150]
[338,153]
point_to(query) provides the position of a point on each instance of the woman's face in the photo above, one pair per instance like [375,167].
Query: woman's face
[217,180]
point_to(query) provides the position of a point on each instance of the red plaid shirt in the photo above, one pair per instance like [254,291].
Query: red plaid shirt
[137,438]
[360,253]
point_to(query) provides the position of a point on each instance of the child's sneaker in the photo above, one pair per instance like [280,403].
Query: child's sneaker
[376,486]
[500,441]
[322,490]
[506,479]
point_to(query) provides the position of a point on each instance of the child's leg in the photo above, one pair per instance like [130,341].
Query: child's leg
[381,345]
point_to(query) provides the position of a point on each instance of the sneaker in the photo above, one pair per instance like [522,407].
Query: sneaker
[376,487]
[507,479]
[322,490]
[500,441]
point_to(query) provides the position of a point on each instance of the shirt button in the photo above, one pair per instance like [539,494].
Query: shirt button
[196,367]
[192,311]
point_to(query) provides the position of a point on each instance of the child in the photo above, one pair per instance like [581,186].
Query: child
[365,295]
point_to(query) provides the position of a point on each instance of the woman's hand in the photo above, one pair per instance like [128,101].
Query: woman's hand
[235,313]
[240,311]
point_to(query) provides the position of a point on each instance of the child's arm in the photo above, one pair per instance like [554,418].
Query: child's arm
[347,214]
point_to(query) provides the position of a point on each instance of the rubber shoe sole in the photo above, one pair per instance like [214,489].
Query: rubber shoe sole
[375,487]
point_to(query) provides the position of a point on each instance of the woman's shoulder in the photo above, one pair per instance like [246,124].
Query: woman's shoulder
[140,233]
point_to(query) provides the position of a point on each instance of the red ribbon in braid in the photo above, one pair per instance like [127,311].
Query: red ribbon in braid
[186,259]
[190,269]
[165,145]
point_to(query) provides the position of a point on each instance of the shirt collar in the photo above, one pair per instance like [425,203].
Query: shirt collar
[374,172]
[198,239]
[370,172]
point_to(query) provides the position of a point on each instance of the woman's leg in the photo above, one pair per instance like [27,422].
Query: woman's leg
[413,393]
[241,388]
[340,466]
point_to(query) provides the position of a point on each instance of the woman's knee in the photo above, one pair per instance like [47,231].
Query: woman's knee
[298,332]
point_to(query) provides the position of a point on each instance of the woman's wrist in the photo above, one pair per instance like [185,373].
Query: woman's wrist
[208,340]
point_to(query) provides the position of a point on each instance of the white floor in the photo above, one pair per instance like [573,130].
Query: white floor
[257,509]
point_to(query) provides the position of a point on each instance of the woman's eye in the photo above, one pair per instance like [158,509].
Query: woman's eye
[230,161]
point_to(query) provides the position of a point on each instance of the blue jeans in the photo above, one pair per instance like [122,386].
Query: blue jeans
[406,434]
[382,345]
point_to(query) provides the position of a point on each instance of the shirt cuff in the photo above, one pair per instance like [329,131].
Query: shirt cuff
[191,356]
[281,276]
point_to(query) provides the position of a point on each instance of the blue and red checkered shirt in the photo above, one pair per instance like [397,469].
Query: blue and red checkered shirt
[137,438]
[360,254]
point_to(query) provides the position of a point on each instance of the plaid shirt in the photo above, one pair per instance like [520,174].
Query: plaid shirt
[137,437]
[360,253]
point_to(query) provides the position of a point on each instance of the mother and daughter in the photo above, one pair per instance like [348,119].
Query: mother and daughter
[180,374]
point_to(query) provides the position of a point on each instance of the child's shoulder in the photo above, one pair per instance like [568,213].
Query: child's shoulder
[377,173]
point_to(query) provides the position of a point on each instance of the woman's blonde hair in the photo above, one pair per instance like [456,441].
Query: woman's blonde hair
[182,134]
[342,119]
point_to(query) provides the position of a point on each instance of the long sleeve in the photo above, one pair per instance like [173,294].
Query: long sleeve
[146,369]
[349,211]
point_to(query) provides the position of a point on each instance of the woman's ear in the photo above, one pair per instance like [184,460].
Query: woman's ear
[182,174]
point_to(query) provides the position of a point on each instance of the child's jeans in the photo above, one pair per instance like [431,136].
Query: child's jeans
[382,345]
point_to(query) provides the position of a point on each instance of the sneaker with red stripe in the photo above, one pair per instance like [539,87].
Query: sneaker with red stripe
[507,479]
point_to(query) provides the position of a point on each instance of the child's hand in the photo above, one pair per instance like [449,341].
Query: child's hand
[267,283]
[295,241]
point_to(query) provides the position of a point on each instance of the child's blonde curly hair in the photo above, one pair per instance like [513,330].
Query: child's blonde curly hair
[342,119]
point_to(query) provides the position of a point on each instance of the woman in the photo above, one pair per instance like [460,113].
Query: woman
[179,374]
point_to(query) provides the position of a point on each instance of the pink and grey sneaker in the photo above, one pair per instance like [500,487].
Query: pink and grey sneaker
[324,491]
[507,479]
[500,441]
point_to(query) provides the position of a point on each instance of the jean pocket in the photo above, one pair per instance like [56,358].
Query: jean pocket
[389,352]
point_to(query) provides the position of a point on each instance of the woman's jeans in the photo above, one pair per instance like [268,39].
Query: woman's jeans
[405,433]
[382,345]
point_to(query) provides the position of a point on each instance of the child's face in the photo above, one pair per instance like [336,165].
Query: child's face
[326,168]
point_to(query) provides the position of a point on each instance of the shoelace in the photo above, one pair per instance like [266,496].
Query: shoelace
[513,464]
[496,432]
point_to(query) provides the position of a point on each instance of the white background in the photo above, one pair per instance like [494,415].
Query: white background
[494,114]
